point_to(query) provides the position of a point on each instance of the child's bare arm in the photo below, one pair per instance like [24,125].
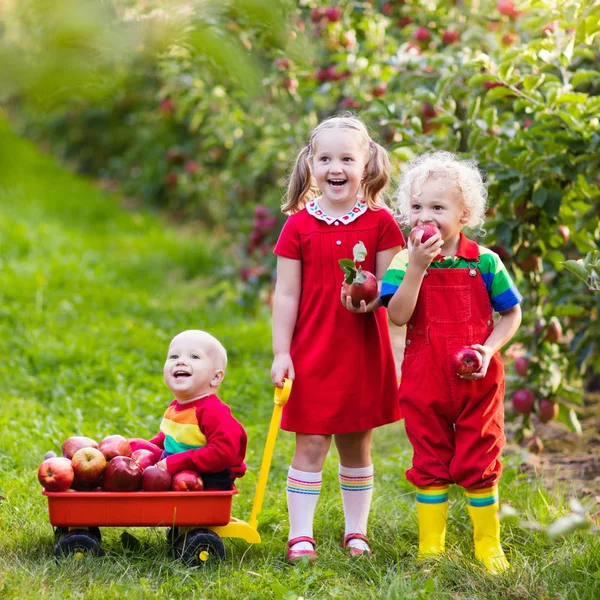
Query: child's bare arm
[402,303]
[285,313]
[505,328]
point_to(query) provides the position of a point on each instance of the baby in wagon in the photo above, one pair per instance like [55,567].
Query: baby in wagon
[198,431]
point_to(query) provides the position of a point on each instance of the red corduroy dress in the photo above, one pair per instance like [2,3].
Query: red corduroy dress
[456,426]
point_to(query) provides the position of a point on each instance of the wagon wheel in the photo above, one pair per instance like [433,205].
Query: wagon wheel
[78,543]
[172,535]
[199,547]
[62,531]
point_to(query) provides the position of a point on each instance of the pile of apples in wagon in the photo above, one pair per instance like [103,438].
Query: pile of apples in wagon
[116,464]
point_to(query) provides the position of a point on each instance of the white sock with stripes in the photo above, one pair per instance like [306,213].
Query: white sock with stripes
[303,489]
[357,490]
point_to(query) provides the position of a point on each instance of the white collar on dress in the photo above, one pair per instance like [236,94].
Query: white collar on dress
[360,208]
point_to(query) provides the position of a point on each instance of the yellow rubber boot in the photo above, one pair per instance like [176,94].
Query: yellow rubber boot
[483,510]
[432,511]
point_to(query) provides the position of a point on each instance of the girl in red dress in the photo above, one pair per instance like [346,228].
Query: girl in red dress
[338,355]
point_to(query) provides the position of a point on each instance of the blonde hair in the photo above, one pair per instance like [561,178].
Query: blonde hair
[302,187]
[444,165]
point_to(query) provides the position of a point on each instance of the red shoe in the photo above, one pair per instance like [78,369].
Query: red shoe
[356,551]
[293,556]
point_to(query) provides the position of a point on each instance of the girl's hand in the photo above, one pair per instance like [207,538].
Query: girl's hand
[422,254]
[282,367]
[486,356]
[363,308]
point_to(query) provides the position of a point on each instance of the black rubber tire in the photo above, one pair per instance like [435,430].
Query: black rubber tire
[62,531]
[172,536]
[79,543]
[200,547]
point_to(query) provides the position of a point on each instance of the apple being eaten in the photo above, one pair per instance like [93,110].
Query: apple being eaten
[155,479]
[122,474]
[466,361]
[56,474]
[429,230]
[114,445]
[88,464]
[187,481]
[76,442]
[358,284]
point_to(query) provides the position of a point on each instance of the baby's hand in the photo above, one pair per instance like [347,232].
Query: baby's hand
[282,367]
[422,254]
[486,357]
[162,464]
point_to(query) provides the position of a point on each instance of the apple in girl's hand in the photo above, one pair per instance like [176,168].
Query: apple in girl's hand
[122,474]
[429,230]
[114,445]
[155,479]
[358,283]
[88,464]
[56,474]
[142,444]
[187,481]
[76,442]
[466,361]
[144,458]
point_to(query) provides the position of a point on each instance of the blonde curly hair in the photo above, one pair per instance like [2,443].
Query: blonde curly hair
[441,165]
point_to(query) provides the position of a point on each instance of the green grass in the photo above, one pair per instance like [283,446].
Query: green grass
[90,296]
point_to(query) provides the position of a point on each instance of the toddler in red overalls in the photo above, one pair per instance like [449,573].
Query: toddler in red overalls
[445,290]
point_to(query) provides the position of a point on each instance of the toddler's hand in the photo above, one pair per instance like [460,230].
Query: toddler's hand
[486,357]
[422,254]
[363,308]
[282,367]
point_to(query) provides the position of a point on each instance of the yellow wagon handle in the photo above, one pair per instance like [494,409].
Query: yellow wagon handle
[281,397]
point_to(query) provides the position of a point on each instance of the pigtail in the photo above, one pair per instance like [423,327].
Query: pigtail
[301,187]
[377,176]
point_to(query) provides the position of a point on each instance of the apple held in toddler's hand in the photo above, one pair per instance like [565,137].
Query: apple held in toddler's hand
[358,283]
[466,361]
[429,230]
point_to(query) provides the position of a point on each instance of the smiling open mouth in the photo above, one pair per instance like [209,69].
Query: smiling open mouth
[179,374]
[336,182]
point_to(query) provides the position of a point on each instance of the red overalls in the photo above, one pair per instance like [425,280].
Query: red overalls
[456,426]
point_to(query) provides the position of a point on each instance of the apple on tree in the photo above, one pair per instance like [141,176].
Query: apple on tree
[358,283]
[523,400]
[56,474]
[466,361]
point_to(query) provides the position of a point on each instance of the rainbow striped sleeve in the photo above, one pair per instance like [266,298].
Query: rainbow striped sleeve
[393,276]
[503,292]
[432,495]
[484,497]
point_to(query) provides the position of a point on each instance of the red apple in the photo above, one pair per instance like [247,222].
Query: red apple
[56,474]
[522,366]
[379,89]
[523,401]
[290,83]
[316,14]
[421,34]
[548,410]
[507,8]
[333,14]
[466,361]
[564,232]
[554,332]
[187,481]
[122,474]
[364,287]
[76,442]
[531,263]
[144,458]
[139,444]
[114,445]
[508,39]
[451,36]
[155,479]
[88,464]
[429,230]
